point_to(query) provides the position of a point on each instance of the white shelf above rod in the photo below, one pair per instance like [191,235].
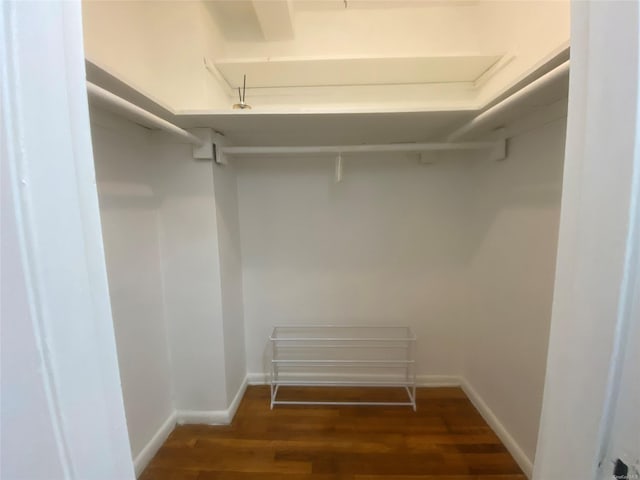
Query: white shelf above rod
[104,97]
[340,149]
[482,119]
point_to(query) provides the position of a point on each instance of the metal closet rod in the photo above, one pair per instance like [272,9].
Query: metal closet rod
[338,149]
[101,95]
[524,92]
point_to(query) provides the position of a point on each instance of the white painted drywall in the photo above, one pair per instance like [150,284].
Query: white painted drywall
[157,47]
[173,260]
[373,29]
[191,272]
[531,31]
[387,245]
[218,93]
[226,208]
[462,250]
[129,209]
[513,219]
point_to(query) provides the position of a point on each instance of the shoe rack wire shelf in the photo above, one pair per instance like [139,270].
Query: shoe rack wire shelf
[343,356]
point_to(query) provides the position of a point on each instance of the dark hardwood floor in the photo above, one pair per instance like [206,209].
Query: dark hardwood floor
[446,439]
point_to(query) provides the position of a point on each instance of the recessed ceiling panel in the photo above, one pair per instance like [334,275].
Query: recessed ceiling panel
[291,72]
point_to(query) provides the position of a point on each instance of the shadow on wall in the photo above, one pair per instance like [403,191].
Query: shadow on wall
[134,179]
[529,180]
[124,181]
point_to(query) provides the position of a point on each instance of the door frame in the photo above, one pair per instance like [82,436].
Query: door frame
[48,163]
[598,241]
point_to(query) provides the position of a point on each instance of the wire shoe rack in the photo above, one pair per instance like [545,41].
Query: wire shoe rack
[343,356]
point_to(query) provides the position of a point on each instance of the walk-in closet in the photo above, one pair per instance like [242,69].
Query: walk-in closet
[347,201]
[343,239]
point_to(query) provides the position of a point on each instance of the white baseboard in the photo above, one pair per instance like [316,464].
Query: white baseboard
[202,417]
[438,381]
[235,403]
[257,378]
[421,380]
[213,417]
[150,449]
[509,442]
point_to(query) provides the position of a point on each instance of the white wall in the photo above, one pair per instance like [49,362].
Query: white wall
[129,207]
[387,245]
[514,216]
[191,272]
[423,29]
[530,30]
[226,197]
[158,47]
[173,261]
[461,250]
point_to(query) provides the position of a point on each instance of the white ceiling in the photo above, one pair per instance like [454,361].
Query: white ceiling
[239,20]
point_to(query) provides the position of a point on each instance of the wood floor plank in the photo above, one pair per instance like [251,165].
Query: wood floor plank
[446,439]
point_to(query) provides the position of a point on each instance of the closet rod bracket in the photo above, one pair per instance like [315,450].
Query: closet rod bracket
[211,147]
[499,150]
[338,169]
